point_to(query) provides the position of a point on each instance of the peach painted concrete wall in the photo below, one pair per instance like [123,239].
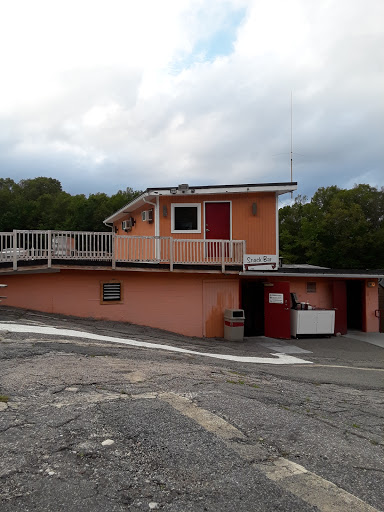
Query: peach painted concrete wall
[322,298]
[190,304]
[218,295]
[169,301]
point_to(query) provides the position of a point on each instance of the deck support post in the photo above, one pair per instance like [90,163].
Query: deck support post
[171,254]
[113,249]
[222,256]
[157,249]
[49,248]
[14,250]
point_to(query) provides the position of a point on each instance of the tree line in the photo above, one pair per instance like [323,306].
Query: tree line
[41,203]
[337,228]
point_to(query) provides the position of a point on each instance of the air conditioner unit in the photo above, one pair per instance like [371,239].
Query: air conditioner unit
[127,224]
[147,216]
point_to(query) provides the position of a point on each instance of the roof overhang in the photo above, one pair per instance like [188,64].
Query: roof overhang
[151,193]
[337,273]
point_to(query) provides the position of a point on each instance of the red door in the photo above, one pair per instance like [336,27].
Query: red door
[277,310]
[339,294]
[217,226]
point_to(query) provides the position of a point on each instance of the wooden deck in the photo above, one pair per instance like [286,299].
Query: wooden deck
[20,248]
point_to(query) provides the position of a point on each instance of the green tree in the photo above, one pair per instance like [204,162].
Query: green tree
[338,228]
[40,203]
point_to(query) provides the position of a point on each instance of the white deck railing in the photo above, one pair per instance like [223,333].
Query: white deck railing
[6,247]
[51,245]
[142,249]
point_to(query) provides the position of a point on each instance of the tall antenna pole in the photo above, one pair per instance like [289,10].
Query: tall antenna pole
[291,148]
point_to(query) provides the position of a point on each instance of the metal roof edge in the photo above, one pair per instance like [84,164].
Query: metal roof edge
[202,187]
[123,210]
[280,188]
[310,274]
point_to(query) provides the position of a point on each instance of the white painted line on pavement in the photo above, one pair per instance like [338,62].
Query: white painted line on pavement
[284,348]
[346,367]
[206,419]
[53,331]
[311,488]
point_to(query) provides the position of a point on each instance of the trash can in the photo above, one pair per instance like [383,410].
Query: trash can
[234,324]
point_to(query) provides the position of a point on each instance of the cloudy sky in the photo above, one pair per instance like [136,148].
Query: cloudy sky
[103,95]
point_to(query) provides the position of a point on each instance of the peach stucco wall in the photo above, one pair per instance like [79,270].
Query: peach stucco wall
[169,301]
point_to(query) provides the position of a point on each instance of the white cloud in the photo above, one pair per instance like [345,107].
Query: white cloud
[133,93]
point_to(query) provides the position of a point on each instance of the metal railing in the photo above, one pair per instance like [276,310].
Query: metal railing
[36,245]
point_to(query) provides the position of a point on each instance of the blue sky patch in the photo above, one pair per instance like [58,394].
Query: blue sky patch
[217,43]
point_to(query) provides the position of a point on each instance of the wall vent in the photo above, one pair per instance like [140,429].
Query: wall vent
[311,287]
[111,292]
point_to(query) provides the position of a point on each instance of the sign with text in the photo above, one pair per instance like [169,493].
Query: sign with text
[260,262]
[276,298]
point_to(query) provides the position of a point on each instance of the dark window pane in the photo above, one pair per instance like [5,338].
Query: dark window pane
[185,218]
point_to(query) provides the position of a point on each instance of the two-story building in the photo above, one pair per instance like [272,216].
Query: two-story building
[175,259]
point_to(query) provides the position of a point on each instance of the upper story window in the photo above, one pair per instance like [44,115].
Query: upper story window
[186,218]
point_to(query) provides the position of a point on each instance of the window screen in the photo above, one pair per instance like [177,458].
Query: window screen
[111,292]
[186,218]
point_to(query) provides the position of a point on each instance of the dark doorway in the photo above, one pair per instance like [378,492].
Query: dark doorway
[252,299]
[354,305]
[339,300]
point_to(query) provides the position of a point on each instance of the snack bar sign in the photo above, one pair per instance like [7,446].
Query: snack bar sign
[260,262]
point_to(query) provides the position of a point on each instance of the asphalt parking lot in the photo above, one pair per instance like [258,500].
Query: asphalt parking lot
[93,423]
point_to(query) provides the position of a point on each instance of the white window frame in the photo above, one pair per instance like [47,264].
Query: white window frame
[185,205]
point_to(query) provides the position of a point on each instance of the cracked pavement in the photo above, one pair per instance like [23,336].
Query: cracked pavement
[188,433]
